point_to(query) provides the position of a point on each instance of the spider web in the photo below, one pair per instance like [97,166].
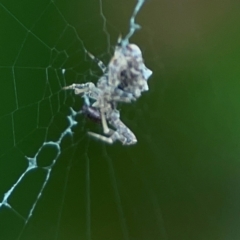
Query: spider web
[47,179]
[180,181]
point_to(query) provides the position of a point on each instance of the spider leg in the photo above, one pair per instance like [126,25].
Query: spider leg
[88,89]
[80,88]
[110,140]
[130,139]
[106,130]
[99,62]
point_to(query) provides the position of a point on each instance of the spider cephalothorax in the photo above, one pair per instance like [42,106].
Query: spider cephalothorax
[123,80]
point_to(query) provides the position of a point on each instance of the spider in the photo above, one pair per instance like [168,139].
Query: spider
[123,81]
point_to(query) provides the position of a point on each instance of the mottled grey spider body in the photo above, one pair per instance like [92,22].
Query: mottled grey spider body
[123,81]
[127,70]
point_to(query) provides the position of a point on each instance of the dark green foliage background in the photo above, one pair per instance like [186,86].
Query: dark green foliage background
[181,181]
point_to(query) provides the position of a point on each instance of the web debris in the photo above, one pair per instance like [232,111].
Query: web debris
[32,164]
[133,25]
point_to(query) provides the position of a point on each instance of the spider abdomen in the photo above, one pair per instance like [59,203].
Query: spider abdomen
[92,113]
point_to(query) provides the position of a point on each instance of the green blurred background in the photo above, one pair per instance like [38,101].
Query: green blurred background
[181,181]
